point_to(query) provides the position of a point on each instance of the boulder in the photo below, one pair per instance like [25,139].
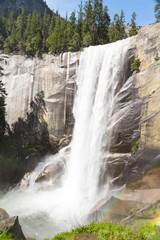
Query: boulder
[12,226]
[52,172]
[3,214]
[113,209]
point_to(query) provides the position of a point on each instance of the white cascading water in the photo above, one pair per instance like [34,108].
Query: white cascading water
[48,210]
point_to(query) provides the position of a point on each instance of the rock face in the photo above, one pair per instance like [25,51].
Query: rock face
[10,225]
[113,209]
[52,172]
[135,122]
[134,130]
[15,5]
[55,75]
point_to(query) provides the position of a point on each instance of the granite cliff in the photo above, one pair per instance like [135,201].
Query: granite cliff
[135,119]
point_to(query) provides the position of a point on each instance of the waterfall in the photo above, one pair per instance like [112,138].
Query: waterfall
[44,212]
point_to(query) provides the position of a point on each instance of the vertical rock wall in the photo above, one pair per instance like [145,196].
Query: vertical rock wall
[55,75]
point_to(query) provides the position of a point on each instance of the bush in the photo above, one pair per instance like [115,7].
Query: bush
[135,147]
[135,65]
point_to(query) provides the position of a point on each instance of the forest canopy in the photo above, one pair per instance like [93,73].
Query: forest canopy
[90,25]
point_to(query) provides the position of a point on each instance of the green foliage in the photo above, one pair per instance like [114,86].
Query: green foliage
[135,65]
[25,138]
[135,147]
[133,210]
[157,58]
[152,212]
[4,236]
[157,10]
[33,35]
[117,28]
[133,31]
[109,231]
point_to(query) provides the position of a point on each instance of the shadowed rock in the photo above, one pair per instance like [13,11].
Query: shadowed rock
[113,209]
[12,226]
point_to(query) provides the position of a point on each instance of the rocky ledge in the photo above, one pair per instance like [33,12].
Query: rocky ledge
[10,225]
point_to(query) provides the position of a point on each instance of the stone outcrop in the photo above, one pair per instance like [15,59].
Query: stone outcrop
[15,5]
[113,209]
[3,214]
[10,225]
[52,172]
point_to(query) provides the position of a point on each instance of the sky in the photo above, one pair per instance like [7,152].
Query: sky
[144,9]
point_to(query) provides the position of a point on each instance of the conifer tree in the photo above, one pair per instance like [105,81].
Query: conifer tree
[103,33]
[64,35]
[157,10]
[117,28]
[3,31]
[133,31]
[97,21]
[71,30]
[11,22]
[87,24]
[34,40]
[10,44]
[20,30]
[52,24]
[53,41]
[45,29]
[80,25]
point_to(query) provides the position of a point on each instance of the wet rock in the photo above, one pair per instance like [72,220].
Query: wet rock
[113,209]
[64,141]
[116,164]
[12,226]
[3,214]
[52,172]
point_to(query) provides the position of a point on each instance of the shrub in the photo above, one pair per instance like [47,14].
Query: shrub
[135,147]
[135,65]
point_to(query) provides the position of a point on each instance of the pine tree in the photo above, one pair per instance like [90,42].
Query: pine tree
[157,10]
[122,26]
[133,31]
[34,39]
[103,34]
[117,28]
[80,25]
[71,30]
[53,41]
[63,35]
[3,31]
[97,21]
[45,29]
[10,44]
[11,22]
[87,24]
[52,24]
[20,31]
[29,50]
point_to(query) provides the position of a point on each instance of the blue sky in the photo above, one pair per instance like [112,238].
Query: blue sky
[143,8]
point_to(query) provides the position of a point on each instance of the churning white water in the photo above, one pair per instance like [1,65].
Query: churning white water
[48,210]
